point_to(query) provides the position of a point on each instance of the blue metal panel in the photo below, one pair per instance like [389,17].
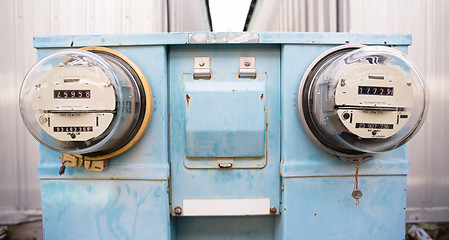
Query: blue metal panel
[225,183]
[224,38]
[323,208]
[225,116]
[115,209]
[105,209]
[316,200]
[225,228]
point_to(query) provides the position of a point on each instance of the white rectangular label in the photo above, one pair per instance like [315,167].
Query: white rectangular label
[226,207]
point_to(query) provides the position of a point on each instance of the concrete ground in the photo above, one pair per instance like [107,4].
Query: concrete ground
[33,231]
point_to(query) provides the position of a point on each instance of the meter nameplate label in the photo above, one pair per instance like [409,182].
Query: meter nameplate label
[74,126]
[373,124]
[374,85]
[74,88]
[226,207]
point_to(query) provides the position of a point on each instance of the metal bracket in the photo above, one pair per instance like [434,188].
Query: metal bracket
[201,68]
[97,165]
[247,67]
[72,161]
[354,159]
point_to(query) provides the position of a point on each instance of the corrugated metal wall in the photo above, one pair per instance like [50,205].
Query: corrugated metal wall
[294,16]
[20,20]
[427,21]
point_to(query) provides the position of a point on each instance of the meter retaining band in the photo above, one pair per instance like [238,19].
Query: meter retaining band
[148,103]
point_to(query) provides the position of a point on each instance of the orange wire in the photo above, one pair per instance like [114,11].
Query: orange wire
[356,183]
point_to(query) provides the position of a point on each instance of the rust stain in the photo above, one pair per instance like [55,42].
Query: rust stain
[266,127]
[233,90]
[261,97]
[314,214]
[188,100]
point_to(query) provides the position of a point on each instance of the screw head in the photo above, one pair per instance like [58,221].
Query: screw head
[178,210]
[247,63]
[43,120]
[273,210]
[201,64]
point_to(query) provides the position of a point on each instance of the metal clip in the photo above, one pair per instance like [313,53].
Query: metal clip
[247,67]
[201,68]
[97,165]
[71,160]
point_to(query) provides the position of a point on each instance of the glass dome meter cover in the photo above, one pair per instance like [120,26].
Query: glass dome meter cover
[357,100]
[85,102]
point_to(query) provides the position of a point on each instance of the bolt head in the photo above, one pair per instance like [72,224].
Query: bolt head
[357,194]
[178,210]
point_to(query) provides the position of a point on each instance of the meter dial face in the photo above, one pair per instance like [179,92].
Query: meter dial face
[78,102]
[371,100]
[356,100]
[81,102]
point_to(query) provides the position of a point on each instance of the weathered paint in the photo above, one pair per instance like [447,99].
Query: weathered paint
[105,209]
[136,196]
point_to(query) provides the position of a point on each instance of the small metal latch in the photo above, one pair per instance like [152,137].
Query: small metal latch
[97,165]
[201,68]
[247,67]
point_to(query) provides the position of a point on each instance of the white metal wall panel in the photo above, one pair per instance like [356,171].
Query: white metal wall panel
[294,16]
[188,16]
[20,20]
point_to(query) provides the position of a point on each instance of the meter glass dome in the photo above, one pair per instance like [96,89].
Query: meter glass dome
[356,100]
[81,102]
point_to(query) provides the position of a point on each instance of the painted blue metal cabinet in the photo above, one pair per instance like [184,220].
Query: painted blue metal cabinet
[251,126]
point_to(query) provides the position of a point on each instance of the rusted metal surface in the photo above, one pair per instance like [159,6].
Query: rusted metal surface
[188,100]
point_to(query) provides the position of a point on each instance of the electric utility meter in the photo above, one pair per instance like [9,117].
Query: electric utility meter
[358,100]
[95,102]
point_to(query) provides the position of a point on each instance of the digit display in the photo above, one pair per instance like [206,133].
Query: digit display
[380,91]
[374,125]
[71,94]
[73,129]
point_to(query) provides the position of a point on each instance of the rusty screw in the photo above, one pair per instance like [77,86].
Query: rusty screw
[247,63]
[201,64]
[178,210]
[273,210]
